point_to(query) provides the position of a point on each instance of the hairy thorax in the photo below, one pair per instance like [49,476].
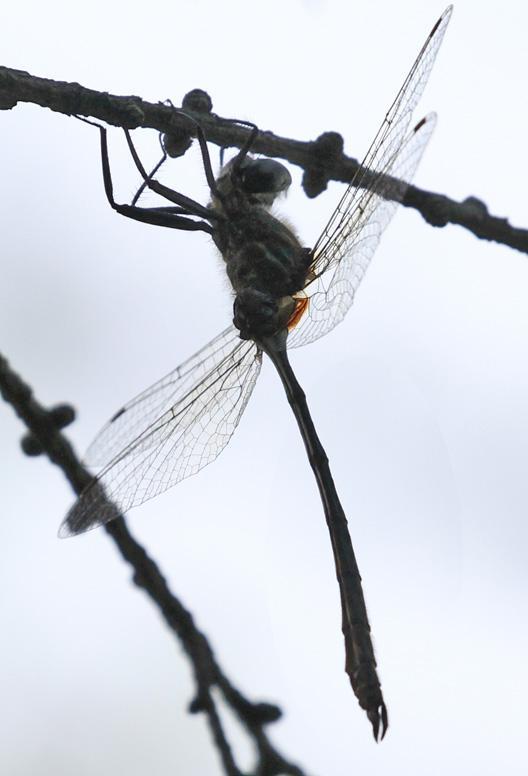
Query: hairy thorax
[265,263]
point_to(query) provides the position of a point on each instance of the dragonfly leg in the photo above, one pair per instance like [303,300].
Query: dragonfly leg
[174,218]
[153,172]
[190,205]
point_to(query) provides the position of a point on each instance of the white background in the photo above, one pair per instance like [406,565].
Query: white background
[421,399]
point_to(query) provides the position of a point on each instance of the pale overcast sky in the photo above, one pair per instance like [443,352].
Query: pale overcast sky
[421,399]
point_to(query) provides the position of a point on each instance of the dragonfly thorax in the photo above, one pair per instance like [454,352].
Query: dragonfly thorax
[265,262]
[266,265]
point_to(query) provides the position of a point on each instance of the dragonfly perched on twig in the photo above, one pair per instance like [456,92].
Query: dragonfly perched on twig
[285,296]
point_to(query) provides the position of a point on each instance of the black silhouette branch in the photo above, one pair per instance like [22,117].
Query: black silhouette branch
[46,437]
[322,159]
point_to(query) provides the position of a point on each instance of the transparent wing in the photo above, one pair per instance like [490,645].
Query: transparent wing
[331,294]
[169,432]
[393,154]
[137,415]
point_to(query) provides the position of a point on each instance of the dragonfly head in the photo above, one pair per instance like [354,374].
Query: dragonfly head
[259,180]
[263,176]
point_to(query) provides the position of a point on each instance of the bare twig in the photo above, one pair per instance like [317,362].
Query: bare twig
[45,436]
[322,160]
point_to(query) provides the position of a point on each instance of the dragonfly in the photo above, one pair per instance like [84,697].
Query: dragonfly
[286,296]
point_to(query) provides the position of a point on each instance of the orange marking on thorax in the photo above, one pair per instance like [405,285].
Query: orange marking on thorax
[301,306]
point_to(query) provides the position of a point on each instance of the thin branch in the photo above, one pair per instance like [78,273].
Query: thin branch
[322,160]
[45,436]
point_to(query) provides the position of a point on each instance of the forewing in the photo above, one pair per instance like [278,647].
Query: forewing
[353,220]
[189,417]
[331,294]
[389,137]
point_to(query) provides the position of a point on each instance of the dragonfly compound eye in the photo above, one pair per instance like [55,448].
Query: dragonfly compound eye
[264,176]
